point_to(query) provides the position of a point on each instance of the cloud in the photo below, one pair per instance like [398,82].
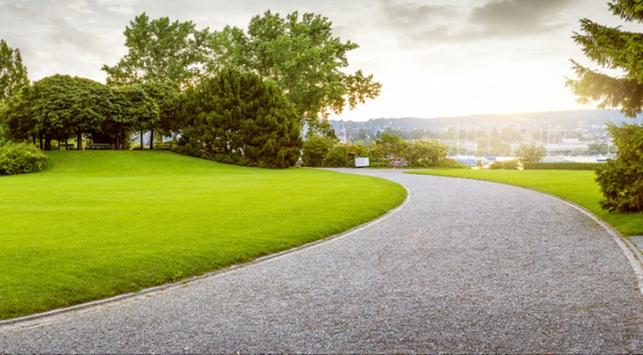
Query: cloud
[420,24]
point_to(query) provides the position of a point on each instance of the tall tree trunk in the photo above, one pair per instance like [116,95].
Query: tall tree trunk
[33,137]
[141,135]
[123,141]
[79,140]
[151,139]
[42,146]
[47,142]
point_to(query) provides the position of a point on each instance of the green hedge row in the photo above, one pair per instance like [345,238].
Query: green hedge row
[20,158]
[562,166]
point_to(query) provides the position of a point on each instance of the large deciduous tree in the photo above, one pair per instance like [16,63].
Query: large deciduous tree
[621,180]
[239,118]
[159,50]
[167,98]
[57,107]
[303,56]
[133,109]
[13,74]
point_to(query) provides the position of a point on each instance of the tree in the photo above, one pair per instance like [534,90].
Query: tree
[13,74]
[316,147]
[167,98]
[530,153]
[57,107]
[239,118]
[133,110]
[159,50]
[616,49]
[301,54]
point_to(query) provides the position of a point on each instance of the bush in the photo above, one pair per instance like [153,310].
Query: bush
[561,166]
[20,158]
[237,117]
[530,153]
[343,155]
[621,180]
[316,148]
[508,164]
[391,150]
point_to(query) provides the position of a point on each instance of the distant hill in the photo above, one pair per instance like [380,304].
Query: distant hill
[534,120]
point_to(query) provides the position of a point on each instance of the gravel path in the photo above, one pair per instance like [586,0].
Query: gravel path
[465,266]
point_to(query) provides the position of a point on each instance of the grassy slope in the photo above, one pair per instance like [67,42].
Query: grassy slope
[573,185]
[97,224]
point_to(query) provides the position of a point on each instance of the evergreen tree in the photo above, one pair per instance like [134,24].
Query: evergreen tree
[621,180]
[239,118]
[13,74]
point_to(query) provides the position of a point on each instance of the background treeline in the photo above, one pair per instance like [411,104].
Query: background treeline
[386,151]
[243,96]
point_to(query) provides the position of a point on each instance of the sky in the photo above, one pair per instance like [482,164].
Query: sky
[433,57]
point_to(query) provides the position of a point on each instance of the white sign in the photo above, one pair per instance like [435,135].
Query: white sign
[361,162]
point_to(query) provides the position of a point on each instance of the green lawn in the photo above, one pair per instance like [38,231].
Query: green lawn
[572,185]
[97,224]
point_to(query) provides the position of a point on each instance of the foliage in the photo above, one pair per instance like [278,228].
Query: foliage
[507,164]
[13,74]
[616,49]
[159,51]
[576,186]
[561,166]
[621,180]
[389,148]
[343,155]
[167,98]
[155,217]
[239,118]
[57,107]
[315,149]
[21,158]
[530,153]
[301,54]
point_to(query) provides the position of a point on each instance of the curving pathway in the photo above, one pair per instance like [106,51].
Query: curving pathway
[464,266]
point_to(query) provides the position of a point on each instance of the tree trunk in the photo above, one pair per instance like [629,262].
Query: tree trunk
[151,139]
[79,141]
[141,139]
[42,146]
[47,142]
[123,141]
[33,137]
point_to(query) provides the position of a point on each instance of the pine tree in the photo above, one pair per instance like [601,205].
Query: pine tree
[621,180]
[13,74]
[612,48]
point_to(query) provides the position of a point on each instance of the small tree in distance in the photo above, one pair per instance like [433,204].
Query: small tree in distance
[530,153]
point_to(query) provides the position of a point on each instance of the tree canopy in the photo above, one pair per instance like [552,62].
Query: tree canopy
[159,50]
[302,55]
[612,48]
[13,74]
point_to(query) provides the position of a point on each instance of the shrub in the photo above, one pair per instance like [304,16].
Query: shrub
[391,150]
[343,155]
[20,158]
[621,180]
[316,147]
[530,153]
[561,166]
[237,117]
[508,164]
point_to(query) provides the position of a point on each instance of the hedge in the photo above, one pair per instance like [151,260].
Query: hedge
[562,166]
[21,158]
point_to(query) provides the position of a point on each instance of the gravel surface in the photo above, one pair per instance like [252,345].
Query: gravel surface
[465,266]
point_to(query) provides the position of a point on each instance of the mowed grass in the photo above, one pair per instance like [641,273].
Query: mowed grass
[98,224]
[576,186]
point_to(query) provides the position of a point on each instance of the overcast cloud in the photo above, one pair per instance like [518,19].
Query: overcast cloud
[434,57]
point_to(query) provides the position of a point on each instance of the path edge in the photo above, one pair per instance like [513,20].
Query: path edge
[169,286]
